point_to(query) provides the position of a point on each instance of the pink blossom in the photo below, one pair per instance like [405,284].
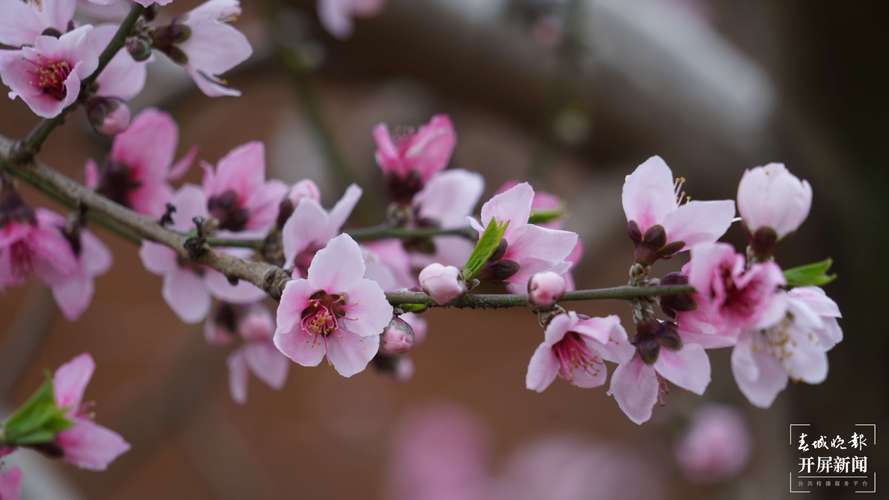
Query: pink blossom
[337,15]
[10,483]
[716,445]
[85,444]
[144,3]
[529,248]
[238,195]
[22,22]
[573,260]
[662,353]
[335,312]
[32,243]
[445,202]
[255,326]
[311,227]
[442,283]
[187,286]
[659,223]
[140,166]
[794,347]
[729,296]
[73,292]
[213,46]
[575,347]
[409,161]
[773,203]
[47,76]
[545,289]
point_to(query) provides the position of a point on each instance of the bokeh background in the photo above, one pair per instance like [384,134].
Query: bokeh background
[570,94]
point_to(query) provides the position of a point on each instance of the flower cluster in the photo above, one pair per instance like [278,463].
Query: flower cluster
[779,330]
[52,60]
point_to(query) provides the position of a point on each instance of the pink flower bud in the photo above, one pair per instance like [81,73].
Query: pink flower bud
[716,445]
[544,289]
[303,189]
[773,198]
[398,337]
[442,283]
[108,116]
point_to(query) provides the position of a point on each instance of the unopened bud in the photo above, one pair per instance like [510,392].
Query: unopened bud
[442,283]
[108,116]
[398,337]
[139,47]
[545,289]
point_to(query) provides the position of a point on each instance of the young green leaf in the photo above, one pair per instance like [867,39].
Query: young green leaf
[814,274]
[486,246]
[544,216]
[38,420]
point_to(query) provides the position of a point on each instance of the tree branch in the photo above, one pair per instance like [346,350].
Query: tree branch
[30,145]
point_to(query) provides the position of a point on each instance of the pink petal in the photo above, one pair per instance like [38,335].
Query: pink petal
[708,340]
[91,446]
[535,242]
[513,205]
[148,144]
[705,258]
[19,23]
[350,353]
[267,363]
[367,310]
[771,196]
[699,222]
[338,266]
[450,196]
[336,17]
[58,13]
[151,197]
[158,258]
[212,49]
[308,224]
[300,347]
[70,381]
[542,369]
[759,375]
[689,367]
[340,212]
[242,293]
[558,327]
[634,386]
[94,255]
[294,300]
[241,170]
[186,294]
[73,295]
[237,376]
[648,193]
[190,202]
[91,174]
[431,147]
[181,167]
[387,154]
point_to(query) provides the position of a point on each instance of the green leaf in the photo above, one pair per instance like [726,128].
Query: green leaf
[38,420]
[814,274]
[544,216]
[486,246]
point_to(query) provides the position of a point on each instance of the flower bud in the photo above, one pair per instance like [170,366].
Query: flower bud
[139,47]
[544,289]
[107,115]
[442,283]
[398,337]
[772,197]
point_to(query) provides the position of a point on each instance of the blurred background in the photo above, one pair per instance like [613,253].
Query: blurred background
[569,94]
